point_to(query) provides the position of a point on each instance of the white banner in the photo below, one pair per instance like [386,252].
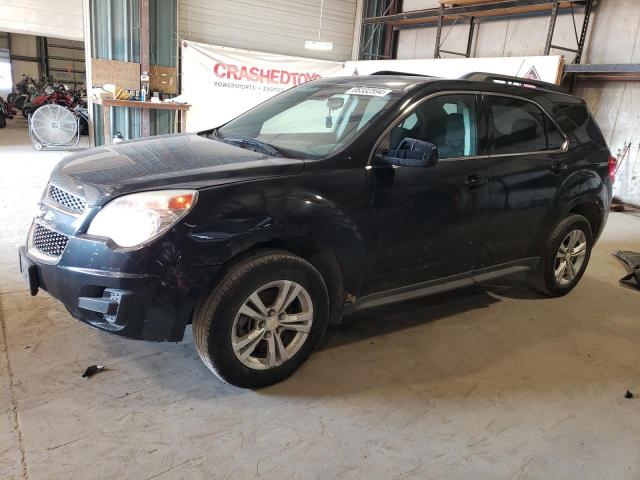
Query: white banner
[221,83]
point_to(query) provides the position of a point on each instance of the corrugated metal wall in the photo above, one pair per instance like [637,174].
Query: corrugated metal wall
[163,50]
[276,26]
[6,83]
[115,35]
[59,19]
[26,46]
[66,61]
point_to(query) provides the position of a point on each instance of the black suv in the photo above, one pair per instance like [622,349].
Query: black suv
[335,196]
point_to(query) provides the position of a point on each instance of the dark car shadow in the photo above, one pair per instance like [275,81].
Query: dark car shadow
[188,374]
[404,345]
[517,290]
[407,346]
[400,316]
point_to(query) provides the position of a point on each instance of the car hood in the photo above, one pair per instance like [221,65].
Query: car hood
[168,161]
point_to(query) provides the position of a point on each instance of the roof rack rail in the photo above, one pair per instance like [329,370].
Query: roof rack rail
[407,74]
[492,77]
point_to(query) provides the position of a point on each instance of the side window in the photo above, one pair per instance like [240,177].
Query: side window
[518,126]
[555,139]
[374,105]
[410,122]
[447,121]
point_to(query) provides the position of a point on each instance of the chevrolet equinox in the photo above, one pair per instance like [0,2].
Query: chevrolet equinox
[335,196]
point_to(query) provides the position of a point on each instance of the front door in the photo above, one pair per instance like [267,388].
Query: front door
[426,223]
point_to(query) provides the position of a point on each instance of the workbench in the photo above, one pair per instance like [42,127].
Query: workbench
[107,103]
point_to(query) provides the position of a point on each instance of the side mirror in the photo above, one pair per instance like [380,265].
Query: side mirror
[411,153]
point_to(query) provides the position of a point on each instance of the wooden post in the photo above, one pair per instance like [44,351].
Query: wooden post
[87,68]
[145,128]
[106,124]
[183,120]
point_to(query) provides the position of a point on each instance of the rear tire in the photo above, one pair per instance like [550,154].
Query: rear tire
[3,121]
[238,347]
[565,257]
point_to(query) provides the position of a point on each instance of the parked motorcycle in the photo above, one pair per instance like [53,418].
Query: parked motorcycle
[10,112]
[52,94]
[3,113]
[83,113]
[31,95]
[25,88]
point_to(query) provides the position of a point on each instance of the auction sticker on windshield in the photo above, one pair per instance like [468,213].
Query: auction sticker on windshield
[369,91]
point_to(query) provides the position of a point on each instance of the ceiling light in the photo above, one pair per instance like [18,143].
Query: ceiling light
[317,45]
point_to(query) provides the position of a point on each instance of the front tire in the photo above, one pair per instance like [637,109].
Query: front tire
[565,257]
[263,319]
[19,102]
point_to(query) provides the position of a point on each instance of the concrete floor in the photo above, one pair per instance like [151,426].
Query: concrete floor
[488,384]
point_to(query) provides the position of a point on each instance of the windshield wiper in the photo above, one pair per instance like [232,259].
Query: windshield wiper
[254,144]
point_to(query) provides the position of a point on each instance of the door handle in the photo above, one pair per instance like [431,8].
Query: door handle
[474,181]
[557,167]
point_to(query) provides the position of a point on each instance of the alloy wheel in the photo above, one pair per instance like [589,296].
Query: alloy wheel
[272,324]
[570,257]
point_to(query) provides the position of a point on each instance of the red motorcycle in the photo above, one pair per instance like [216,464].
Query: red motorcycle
[55,95]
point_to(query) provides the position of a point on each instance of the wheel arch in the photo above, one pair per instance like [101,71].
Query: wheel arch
[592,211]
[323,259]
[284,217]
[585,193]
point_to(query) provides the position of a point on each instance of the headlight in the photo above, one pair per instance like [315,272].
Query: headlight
[133,219]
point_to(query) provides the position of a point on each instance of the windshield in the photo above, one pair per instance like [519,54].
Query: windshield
[309,121]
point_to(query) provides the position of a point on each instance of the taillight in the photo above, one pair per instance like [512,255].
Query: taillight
[613,163]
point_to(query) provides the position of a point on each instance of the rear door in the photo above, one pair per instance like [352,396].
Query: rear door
[529,163]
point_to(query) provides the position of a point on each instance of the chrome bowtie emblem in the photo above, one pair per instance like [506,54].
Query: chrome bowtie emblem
[44,214]
[40,212]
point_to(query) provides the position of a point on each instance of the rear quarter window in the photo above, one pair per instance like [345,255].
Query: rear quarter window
[519,126]
[576,120]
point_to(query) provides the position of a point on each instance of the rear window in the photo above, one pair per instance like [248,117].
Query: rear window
[519,126]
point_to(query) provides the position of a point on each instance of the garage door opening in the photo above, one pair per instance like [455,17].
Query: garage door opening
[42,79]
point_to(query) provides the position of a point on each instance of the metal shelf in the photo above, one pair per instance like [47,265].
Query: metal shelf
[474,11]
[495,8]
[608,72]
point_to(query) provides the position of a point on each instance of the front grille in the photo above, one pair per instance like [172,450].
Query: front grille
[47,241]
[65,199]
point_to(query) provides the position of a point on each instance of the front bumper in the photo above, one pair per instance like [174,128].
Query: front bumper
[136,306]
